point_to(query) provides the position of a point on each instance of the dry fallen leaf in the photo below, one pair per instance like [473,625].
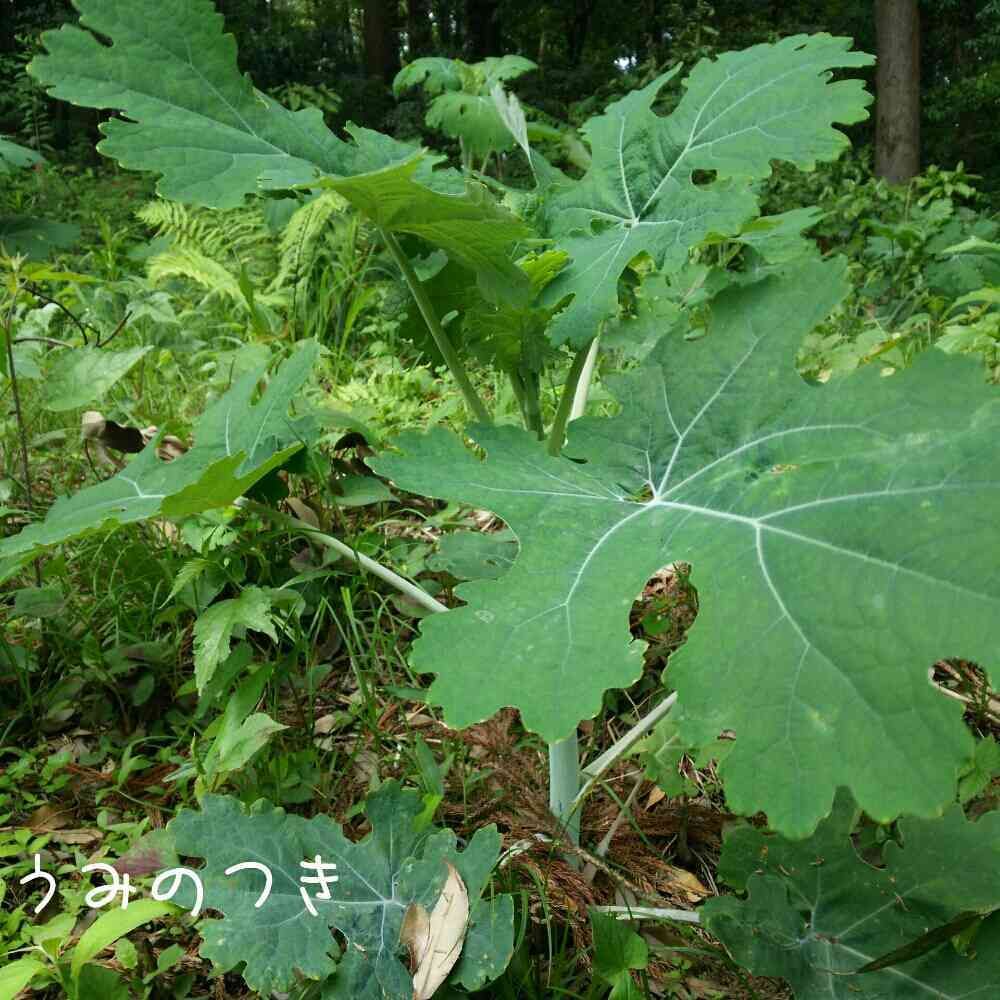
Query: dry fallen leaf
[366,767]
[83,836]
[169,448]
[303,511]
[130,440]
[415,933]
[323,727]
[435,941]
[168,531]
[47,818]
[326,723]
[419,720]
[687,884]
[624,896]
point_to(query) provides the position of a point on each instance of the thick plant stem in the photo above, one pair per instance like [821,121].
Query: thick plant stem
[441,339]
[526,392]
[401,584]
[517,386]
[557,432]
[533,405]
[564,780]
[564,756]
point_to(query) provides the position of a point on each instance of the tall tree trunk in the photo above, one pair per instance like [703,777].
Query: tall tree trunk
[897,123]
[381,39]
[419,37]
[966,29]
[7,43]
[443,20]
[482,26]
[578,28]
[647,35]
[333,25]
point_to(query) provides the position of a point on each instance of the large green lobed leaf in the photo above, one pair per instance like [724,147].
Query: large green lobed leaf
[474,119]
[642,193]
[84,374]
[842,539]
[816,913]
[192,117]
[378,878]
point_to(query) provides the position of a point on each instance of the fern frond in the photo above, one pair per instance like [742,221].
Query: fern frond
[171,218]
[300,239]
[231,238]
[186,262]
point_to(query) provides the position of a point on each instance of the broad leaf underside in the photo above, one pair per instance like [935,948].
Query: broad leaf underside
[193,118]
[14,157]
[643,194]
[35,238]
[816,913]
[843,537]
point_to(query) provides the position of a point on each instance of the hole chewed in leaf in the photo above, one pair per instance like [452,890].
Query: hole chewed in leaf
[664,611]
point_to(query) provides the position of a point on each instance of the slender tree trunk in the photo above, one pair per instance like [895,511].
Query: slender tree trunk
[578,29]
[443,20]
[897,124]
[647,30]
[654,29]
[419,37]
[482,24]
[7,34]
[333,24]
[381,39]
[966,28]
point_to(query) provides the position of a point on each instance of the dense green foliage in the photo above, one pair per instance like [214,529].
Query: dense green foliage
[372,413]
[586,54]
[821,925]
[785,501]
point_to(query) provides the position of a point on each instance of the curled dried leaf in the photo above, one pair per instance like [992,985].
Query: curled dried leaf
[94,426]
[303,511]
[415,933]
[435,942]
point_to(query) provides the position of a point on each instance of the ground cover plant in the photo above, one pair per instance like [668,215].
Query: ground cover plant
[834,532]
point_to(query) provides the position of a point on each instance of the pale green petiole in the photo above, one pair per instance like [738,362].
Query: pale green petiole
[564,782]
[441,339]
[564,755]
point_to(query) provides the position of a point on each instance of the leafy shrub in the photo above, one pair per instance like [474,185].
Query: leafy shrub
[839,536]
